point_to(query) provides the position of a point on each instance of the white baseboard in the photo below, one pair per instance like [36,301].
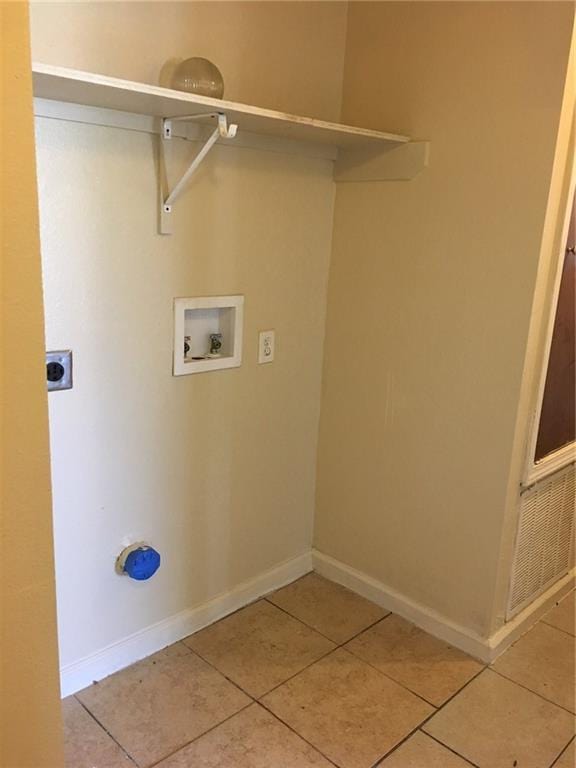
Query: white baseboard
[486,649]
[393,601]
[79,674]
[521,623]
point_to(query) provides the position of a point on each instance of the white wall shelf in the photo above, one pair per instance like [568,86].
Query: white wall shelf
[361,154]
[195,321]
[77,87]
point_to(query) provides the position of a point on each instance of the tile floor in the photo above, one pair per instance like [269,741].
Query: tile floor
[315,676]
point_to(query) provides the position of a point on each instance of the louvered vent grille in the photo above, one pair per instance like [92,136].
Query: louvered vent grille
[545,541]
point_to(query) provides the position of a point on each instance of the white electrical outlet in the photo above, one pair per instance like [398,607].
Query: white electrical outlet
[266,347]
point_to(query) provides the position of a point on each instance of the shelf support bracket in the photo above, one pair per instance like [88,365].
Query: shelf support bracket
[222,131]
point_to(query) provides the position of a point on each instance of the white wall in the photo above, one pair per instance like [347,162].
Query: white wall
[217,471]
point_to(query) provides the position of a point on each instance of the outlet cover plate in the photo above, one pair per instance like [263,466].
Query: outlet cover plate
[59,370]
[266,342]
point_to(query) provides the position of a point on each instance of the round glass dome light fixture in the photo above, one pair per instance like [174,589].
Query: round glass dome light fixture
[200,76]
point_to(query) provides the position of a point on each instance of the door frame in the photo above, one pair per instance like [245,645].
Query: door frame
[537,470]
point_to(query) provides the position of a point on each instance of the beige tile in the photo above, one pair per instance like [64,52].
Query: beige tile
[568,758]
[494,722]
[252,739]
[160,704]
[86,744]
[420,751]
[543,661]
[333,610]
[429,667]
[347,709]
[563,615]
[259,647]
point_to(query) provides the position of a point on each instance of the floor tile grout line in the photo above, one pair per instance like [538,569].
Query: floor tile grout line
[223,674]
[223,618]
[407,738]
[565,749]
[129,666]
[451,749]
[346,642]
[342,648]
[486,668]
[200,735]
[427,720]
[258,700]
[436,709]
[259,600]
[106,731]
[261,703]
[323,656]
[402,685]
[366,629]
[214,727]
[338,644]
[292,730]
[320,658]
[469,682]
[414,730]
[520,685]
[552,626]
[370,626]
[287,613]
[193,653]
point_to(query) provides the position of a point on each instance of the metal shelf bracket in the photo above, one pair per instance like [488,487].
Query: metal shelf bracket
[222,131]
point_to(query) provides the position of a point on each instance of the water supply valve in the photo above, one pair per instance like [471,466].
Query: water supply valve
[139,561]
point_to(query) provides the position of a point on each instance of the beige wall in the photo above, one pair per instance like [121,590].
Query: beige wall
[215,470]
[30,728]
[282,55]
[430,294]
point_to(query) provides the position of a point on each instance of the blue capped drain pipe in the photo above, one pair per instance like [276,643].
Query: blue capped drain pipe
[139,561]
